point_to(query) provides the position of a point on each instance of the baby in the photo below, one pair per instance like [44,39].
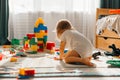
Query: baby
[79,47]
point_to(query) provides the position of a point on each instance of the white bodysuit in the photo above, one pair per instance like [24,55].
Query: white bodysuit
[78,42]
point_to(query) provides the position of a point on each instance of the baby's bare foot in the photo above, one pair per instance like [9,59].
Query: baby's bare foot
[87,61]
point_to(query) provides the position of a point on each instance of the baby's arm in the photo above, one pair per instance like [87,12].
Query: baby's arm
[62,47]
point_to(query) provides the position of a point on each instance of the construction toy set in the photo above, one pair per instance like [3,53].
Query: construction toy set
[37,41]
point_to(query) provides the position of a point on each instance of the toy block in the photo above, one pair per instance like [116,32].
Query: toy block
[25,39]
[15,42]
[21,54]
[33,52]
[45,28]
[45,34]
[26,72]
[58,52]
[39,21]
[22,71]
[33,41]
[39,39]
[1,56]
[27,42]
[40,50]
[30,35]
[29,72]
[40,27]
[50,45]
[38,35]
[46,31]
[40,42]
[45,39]
[36,30]
[26,46]
[13,59]
[41,47]
[23,77]
[34,47]
[42,31]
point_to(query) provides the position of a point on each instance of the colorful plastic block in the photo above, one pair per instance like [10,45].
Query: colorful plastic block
[39,21]
[34,47]
[30,35]
[23,77]
[13,59]
[1,56]
[29,72]
[50,45]
[15,42]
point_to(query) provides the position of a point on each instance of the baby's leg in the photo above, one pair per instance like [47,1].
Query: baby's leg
[73,56]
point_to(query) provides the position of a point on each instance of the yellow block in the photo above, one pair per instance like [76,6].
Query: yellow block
[39,21]
[22,71]
[45,34]
[27,42]
[13,59]
[38,35]
[34,47]
[42,31]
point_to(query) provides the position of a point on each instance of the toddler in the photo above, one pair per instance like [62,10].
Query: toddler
[79,47]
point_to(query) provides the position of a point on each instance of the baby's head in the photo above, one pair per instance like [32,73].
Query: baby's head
[63,25]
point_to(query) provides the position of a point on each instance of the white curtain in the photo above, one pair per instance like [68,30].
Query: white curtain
[23,14]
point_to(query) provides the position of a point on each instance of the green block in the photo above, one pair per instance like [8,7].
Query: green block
[39,39]
[33,52]
[15,41]
[45,39]
[25,39]
[32,41]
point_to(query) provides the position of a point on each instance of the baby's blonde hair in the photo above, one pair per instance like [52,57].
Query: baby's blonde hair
[63,25]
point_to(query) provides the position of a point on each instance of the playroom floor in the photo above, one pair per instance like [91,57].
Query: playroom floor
[49,69]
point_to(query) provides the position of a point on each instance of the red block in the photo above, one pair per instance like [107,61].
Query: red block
[46,31]
[30,35]
[50,45]
[29,72]
[1,56]
[40,50]
[40,44]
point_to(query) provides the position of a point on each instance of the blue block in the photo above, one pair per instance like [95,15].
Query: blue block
[23,77]
[65,51]
[36,30]
[45,28]
[42,27]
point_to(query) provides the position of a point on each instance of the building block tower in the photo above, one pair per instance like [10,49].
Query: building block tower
[41,32]
[36,41]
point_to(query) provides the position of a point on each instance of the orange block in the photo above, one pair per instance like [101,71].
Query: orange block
[13,59]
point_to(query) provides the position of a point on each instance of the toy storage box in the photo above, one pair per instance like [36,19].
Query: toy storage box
[107,37]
